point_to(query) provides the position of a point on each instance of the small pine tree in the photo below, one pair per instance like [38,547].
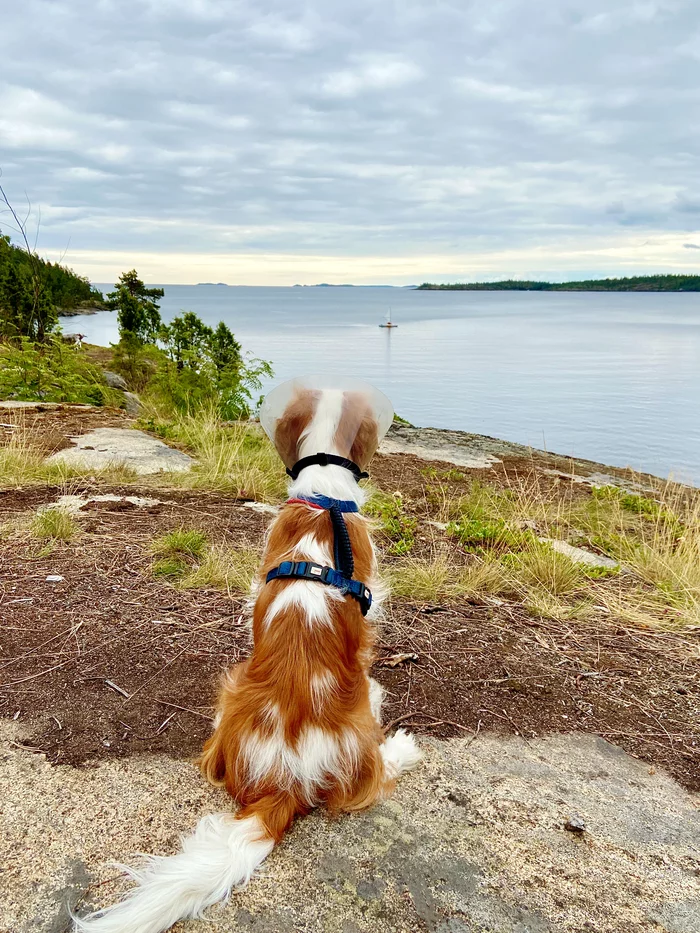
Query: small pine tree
[137,308]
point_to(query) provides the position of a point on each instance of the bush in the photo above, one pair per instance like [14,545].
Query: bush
[52,371]
[396,524]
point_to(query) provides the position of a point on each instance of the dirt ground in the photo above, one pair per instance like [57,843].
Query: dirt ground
[110,661]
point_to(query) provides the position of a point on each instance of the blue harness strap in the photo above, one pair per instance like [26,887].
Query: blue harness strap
[340,576]
[306,570]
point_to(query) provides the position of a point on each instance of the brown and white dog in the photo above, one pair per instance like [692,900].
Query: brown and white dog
[298,723]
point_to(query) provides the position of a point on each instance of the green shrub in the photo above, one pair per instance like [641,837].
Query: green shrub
[478,536]
[396,524]
[52,371]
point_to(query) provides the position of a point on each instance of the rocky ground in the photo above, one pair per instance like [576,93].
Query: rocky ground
[107,676]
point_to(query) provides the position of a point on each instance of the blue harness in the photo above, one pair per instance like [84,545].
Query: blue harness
[339,576]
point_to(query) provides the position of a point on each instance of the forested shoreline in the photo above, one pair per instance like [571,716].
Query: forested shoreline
[635,283]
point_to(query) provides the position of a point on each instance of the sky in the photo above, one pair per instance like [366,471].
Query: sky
[274,143]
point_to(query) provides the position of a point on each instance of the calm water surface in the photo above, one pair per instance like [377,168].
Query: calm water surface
[610,377]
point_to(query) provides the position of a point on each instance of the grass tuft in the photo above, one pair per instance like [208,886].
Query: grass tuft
[170,567]
[181,543]
[225,568]
[438,579]
[541,567]
[54,524]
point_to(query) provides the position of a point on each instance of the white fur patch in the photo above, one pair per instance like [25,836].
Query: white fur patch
[400,753]
[322,686]
[318,757]
[321,430]
[311,549]
[376,696]
[307,595]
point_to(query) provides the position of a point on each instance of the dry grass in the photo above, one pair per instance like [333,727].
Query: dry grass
[540,567]
[231,458]
[225,568]
[23,463]
[654,536]
[438,578]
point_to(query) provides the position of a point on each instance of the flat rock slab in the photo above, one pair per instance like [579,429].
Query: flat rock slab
[581,556]
[472,841]
[471,451]
[74,503]
[105,447]
[10,404]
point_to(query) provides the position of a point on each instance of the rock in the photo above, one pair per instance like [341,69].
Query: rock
[581,556]
[115,381]
[465,450]
[132,403]
[414,862]
[42,406]
[575,824]
[74,504]
[105,447]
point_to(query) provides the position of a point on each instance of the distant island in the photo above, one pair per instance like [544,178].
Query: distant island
[635,283]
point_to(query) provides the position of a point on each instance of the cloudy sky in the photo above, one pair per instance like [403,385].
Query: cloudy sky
[274,142]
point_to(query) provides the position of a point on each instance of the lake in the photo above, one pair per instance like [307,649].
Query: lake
[610,377]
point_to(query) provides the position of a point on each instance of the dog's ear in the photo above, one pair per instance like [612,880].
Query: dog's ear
[357,436]
[295,419]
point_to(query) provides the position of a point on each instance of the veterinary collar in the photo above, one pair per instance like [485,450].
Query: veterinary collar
[322,459]
[339,576]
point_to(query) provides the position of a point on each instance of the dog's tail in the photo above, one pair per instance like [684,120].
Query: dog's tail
[222,854]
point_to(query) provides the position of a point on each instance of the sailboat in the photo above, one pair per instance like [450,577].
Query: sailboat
[388,320]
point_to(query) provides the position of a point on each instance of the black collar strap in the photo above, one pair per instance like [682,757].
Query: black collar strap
[321,459]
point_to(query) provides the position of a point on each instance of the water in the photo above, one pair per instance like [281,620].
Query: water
[609,377]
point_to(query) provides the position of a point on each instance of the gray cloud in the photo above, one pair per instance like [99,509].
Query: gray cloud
[449,128]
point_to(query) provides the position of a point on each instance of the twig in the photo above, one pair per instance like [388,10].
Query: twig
[186,710]
[117,688]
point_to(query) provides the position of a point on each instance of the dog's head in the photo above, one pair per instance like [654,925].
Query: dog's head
[314,415]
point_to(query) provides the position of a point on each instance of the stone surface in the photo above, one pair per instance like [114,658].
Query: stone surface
[140,452]
[115,381]
[74,503]
[581,556]
[132,403]
[465,450]
[263,507]
[472,841]
[479,452]
[9,403]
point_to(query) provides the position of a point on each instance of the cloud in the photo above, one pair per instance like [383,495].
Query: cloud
[691,246]
[366,138]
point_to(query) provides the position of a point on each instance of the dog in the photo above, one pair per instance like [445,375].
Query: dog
[298,723]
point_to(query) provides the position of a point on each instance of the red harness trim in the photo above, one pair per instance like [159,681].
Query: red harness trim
[304,502]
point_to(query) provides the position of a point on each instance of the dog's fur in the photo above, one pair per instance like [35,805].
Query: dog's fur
[298,722]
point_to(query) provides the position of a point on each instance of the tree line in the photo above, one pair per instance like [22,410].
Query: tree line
[34,291]
[634,283]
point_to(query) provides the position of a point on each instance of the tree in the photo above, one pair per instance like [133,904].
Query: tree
[187,340]
[206,367]
[137,308]
[225,349]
